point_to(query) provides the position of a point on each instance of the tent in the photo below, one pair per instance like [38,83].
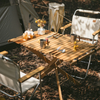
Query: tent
[15,16]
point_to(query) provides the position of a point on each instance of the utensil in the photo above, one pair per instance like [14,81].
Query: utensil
[58,48]
[63,51]
[57,35]
[60,51]
[55,51]
[49,36]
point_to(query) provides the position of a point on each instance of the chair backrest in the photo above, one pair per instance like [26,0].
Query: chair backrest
[85,26]
[9,73]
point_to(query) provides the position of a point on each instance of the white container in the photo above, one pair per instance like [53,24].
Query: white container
[41,31]
[56,14]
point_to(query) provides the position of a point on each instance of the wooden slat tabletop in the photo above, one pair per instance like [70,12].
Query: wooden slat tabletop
[20,39]
[64,42]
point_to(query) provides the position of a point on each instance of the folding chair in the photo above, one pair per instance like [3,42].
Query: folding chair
[86,27]
[11,77]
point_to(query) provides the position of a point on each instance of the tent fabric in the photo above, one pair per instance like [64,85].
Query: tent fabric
[28,15]
[13,14]
[4,3]
[13,2]
[9,24]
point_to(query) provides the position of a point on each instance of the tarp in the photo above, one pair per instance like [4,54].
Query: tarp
[10,15]
[9,24]
[28,15]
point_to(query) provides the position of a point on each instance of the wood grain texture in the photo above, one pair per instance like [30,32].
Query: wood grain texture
[4,52]
[66,26]
[63,41]
[96,32]
[24,78]
[84,56]
[58,84]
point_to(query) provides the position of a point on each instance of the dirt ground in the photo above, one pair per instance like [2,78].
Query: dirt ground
[89,88]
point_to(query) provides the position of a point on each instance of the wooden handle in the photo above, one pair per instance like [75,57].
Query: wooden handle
[24,78]
[66,26]
[4,52]
[96,32]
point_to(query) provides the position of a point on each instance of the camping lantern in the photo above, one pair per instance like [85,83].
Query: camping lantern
[56,14]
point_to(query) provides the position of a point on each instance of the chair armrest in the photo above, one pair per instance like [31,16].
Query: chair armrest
[66,26]
[24,78]
[4,52]
[96,32]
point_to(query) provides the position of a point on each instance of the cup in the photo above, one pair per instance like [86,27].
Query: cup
[73,38]
[42,43]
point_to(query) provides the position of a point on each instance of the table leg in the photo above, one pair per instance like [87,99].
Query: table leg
[51,66]
[68,76]
[58,83]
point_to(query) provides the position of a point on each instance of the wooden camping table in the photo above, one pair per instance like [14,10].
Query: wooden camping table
[70,54]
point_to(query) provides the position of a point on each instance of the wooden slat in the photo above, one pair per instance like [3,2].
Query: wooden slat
[64,42]
[53,46]
[96,32]
[70,47]
[84,56]
[64,45]
[40,55]
[19,39]
[4,52]
[24,78]
[36,39]
[75,54]
[66,26]
[15,39]
[37,45]
[50,67]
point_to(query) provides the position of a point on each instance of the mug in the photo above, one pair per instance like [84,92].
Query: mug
[73,37]
[42,43]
